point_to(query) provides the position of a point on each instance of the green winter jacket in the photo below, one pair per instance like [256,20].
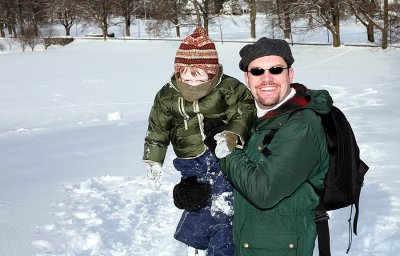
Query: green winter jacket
[173,119]
[274,204]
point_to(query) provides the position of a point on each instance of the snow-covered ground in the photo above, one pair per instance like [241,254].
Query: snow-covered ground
[72,123]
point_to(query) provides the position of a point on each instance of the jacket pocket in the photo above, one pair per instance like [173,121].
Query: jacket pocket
[271,244]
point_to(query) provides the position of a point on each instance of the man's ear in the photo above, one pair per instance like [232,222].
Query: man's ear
[291,75]
[246,78]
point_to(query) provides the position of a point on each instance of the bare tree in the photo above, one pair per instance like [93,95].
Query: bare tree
[197,10]
[22,41]
[127,9]
[324,13]
[283,10]
[3,17]
[394,21]
[365,11]
[373,13]
[33,15]
[24,14]
[66,12]
[32,38]
[8,15]
[98,12]
[281,14]
[171,11]
[205,10]
[20,14]
[11,41]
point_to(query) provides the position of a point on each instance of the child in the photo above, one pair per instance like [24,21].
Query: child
[197,91]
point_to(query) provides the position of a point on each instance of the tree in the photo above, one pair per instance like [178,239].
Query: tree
[394,21]
[32,38]
[285,23]
[98,12]
[66,12]
[205,9]
[171,11]
[325,14]
[365,11]
[127,9]
[282,13]
[24,14]
[3,16]
[373,13]
[8,15]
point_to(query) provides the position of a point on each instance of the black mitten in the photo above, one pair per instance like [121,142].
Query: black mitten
[211,128]
[191,195]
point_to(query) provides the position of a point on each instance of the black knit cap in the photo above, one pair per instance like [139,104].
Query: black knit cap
[265,47]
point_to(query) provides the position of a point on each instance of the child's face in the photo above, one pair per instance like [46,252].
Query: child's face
[194,78]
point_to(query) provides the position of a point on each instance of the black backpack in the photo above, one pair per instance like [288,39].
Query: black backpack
[344,178]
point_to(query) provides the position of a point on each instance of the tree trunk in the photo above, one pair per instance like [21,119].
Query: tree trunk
[104,27]
[310,21]
[128,25]
[36,29]
[205,15]
[196,7]
[67,30]
[10,29]
[206,24]
[253,13]
[336,24]
[22,26]
[178,30]
[288,27]
[370,32]
[280,14]
[336,40]
[2,30]
[370,26]
[385,25]
[105,32]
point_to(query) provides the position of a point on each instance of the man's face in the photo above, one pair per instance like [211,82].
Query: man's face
[269,89]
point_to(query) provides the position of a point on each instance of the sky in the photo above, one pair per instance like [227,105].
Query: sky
[72,127]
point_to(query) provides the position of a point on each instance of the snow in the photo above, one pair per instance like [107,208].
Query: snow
[73,121]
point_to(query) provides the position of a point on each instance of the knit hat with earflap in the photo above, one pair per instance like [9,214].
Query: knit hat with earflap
[197,50]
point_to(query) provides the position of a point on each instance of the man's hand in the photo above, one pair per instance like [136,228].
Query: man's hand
[226,143]
[191,195]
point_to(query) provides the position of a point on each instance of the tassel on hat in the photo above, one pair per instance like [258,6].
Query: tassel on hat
[197,50]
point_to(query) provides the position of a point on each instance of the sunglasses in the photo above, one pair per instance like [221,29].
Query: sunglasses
[273,71]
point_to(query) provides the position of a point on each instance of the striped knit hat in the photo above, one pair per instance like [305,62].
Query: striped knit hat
[197,50]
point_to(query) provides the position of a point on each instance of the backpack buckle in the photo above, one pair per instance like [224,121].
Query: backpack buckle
[321,216]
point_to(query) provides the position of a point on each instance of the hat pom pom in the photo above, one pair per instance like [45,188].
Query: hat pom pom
[200,32]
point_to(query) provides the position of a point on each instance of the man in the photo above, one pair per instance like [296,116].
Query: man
[285,157]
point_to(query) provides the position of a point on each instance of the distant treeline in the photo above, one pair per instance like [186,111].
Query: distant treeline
[26,20]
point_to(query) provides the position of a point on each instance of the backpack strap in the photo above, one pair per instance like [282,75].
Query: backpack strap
[321,221]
